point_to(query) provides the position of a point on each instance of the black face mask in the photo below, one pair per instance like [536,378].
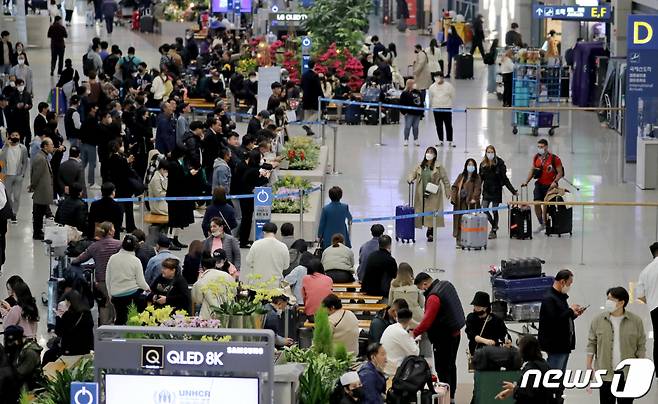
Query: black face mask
[481,313]
[357,393]
[14,140]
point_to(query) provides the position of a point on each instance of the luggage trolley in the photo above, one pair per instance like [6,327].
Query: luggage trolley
[535,85]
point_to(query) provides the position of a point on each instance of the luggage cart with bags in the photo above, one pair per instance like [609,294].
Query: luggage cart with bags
[536,85]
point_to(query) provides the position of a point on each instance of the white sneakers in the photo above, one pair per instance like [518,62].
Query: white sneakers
[406,143]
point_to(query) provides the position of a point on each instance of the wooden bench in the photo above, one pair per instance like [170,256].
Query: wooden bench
[158,220]
[364,324]
[346,286]
[200,103]
[357,296]
[364,307]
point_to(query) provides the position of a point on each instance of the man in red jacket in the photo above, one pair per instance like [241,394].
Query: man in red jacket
[443,321]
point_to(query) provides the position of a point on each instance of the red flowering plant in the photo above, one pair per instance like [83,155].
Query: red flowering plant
[343,63]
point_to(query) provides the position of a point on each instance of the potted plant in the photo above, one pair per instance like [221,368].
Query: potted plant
[290,185]
[302,153]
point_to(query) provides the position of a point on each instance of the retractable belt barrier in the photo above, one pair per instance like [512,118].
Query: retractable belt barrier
[429,214]
[240,115]
[395,106]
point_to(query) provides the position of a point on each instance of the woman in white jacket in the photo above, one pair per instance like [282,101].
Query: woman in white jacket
[158,189]
[338,260]
[442,94]
[435,60]
[69,7]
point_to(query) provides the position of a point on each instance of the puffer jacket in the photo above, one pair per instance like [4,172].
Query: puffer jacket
[494,178]
[72,211]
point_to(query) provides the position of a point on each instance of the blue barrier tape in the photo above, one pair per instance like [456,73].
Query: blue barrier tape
[425,214]
[396,106]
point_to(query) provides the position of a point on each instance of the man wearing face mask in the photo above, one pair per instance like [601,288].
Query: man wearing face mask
[15,160]
[547,170]
[557,335]
[273,319]
[615,335]
[41,183]
[21,104]
[24,72]
[349,389]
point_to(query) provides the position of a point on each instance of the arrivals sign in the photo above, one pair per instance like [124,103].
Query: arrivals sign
[641,115]
[602,12]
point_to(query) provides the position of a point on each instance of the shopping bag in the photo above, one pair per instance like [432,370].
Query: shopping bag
[291,115]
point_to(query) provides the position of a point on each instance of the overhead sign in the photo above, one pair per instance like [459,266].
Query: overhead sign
[262,209]
[602,12]
[84,393]
[641,80]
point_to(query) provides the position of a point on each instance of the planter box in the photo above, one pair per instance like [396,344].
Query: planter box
[173,29]
[316,175]
[311,217]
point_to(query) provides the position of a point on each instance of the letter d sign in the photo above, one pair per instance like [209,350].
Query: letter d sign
[642,28]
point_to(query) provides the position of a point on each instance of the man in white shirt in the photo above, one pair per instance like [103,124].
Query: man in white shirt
[15,161]
[204,296]
[647,291]
[441,95]
[267,258]
[397,342]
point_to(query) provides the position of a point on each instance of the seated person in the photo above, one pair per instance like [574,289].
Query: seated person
[338,260]
[397,342]
[203,297]
[74,326]
[483,327]
[25,357]
[385,318]
[170,288]
[344,324]
[72,210]
[348,390]
[273,319]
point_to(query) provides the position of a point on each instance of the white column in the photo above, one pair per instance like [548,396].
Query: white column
[21,23]
[622,8]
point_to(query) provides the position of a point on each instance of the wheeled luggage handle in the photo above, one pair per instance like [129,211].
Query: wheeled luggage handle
[527,192]
[411,193]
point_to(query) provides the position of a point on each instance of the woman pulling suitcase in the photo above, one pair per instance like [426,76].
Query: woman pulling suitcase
[493,174]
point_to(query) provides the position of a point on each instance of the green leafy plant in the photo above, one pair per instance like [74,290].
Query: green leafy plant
[247,65]
[248,298]
[322,334]
[313,389]
[58,389]
[302,153]
[286,185]
[339,21]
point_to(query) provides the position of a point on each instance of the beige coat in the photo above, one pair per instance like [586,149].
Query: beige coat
[422,74]
[473,190]
[433,202]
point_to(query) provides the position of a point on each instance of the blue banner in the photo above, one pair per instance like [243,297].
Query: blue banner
[641,118]
[602,12]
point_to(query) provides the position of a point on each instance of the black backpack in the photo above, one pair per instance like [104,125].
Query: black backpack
[128,67]
[413,375]
[87,65]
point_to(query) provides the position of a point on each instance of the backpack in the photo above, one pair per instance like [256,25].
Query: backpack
[128,67]
[87,65]
[411,377]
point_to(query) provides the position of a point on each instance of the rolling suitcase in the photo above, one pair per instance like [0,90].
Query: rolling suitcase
[520,220]
[519,268]
[353,114]
[474,231]
[405,229]
[370,116]
[464,66]
[521,290]
[57,99]
[559,218]
[146,23]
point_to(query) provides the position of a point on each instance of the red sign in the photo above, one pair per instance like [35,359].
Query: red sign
[411,4]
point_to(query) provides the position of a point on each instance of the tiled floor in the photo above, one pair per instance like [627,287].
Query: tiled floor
[614,243]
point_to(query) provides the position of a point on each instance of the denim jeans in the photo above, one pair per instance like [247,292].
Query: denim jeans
[491,82]
[558,361]
[88,157]
[411,122]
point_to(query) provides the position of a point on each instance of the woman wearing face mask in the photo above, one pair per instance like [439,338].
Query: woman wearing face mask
[482,327]
[493,174]
[372,374]
[223,264]
[120,173]
[221,239]
[466,193]
[19,50]
[429,175]
[158,189]
[220,207]
[22,71]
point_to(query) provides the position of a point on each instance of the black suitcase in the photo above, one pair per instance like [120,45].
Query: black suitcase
[353,114]
[520,268]
[147,23]
[559,218]
[370,116]
[393,115]
[520,220]
[289,323]
[464,66]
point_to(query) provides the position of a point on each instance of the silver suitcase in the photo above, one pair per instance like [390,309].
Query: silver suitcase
[474,231]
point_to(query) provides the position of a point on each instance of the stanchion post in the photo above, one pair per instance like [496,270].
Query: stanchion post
[322,194]
[379,124]
[571,128]
[141,208]
[582,237]
[322,133]
[319,118]
[656,224]
[434,246]
[301,213]
[334,170]
[465,130]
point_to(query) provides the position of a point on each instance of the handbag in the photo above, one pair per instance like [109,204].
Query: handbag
[431,188]
[469,357]
[291,116]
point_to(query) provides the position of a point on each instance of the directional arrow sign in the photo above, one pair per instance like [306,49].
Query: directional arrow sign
[539,11]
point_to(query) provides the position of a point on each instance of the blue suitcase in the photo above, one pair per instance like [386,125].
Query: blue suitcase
[521,290]
[353,114]
[405,229]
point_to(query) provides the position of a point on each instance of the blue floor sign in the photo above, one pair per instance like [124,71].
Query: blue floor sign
[84,393]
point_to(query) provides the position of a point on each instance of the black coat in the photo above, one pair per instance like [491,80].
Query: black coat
[40,125]
[312,89]
[495,329]
[119,173]
[532,395]
[76,331]
[2,54]
[20,117]
[413,98]
[556,327]
[380,270]
[181,213]
[105,210]
[72,211]
[71,172]
[494,178]
[210,151]
[254,126]
[176,290]
[191,267]
[192,145]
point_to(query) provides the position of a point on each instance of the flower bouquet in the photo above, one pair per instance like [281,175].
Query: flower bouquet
[303,153]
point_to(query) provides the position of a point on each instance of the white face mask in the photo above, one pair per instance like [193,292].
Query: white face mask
[470,168]
[566,289]
[121,149]
[12,84]
[279,311]
[21,61]
[429,156]
[252,79]
[21,88]
[491,156]
[541,150]
[217,233]
[610,305]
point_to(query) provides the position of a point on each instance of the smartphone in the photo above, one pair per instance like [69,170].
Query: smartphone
[585,307]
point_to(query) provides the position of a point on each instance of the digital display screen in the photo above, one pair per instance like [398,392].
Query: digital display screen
[121,389]
[222,6]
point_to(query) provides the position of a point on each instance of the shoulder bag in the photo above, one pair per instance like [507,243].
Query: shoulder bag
[469,357]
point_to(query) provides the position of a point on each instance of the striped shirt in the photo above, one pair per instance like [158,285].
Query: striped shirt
[100,251]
